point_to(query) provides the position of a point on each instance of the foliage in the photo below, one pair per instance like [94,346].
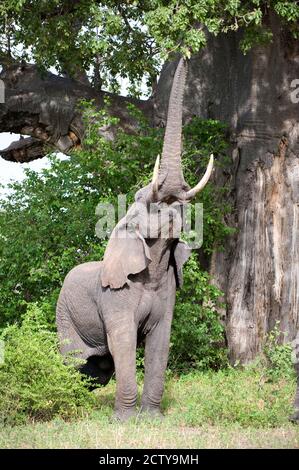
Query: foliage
[112,40]
[201,138]
[278,355]
[36,385]
[213,404]
[47,225]
[197,339]
[230,396]
[34,381]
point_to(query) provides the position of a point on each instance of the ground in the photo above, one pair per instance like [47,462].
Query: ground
[228,409]
[93,433]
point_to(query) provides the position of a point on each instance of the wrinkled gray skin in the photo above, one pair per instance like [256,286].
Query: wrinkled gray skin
[105,309]
[106,323]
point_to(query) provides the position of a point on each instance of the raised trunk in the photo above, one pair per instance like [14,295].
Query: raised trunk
[172,145]
[259,270]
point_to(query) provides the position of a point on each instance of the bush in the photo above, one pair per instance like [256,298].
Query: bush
[278,356]
[197,337]
[34,381]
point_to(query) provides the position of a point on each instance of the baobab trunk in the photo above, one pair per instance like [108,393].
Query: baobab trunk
[259,269]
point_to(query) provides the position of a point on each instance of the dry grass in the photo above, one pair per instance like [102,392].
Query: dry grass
[97,434]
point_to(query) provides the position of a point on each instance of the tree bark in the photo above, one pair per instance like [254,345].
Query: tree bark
[45,107]
[259,269]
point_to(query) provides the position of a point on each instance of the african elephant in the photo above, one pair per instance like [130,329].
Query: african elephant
[105,309]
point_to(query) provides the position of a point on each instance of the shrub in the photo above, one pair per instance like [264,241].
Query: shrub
[34,381]
[197,337]
[278,356]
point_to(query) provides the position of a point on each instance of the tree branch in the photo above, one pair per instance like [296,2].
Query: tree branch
[45,107]
[24,150]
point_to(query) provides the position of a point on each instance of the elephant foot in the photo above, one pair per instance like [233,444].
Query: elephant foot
[123,415]
[294,418]
[152,412]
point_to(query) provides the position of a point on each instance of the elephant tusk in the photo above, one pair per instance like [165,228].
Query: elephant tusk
[155,180]
[192,193]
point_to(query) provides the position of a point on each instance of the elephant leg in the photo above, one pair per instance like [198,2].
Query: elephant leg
[122,342]
[156,357]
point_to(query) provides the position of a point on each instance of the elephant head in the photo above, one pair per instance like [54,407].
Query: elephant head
[156,214]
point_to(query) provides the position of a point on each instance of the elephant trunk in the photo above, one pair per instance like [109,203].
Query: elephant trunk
[171,179]
[168,180]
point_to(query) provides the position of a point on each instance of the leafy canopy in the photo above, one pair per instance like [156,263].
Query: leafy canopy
[117,39]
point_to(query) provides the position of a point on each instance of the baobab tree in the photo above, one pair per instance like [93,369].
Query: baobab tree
[243,70]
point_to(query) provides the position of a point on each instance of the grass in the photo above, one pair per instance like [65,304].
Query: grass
[99,433]
[226,409]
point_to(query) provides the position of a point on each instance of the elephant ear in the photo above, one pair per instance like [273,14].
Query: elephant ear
[126,253]
[181,254]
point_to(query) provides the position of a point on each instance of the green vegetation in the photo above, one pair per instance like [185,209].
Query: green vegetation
[112,40]
[47,226]
[229,408]
[52,218]
[278,356]
[197,338]
[97,432]
[229,396]
[35,384]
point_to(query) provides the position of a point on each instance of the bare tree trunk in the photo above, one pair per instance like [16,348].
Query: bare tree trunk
[259,270]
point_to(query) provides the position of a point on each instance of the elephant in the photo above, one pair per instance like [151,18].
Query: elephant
[106,308]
